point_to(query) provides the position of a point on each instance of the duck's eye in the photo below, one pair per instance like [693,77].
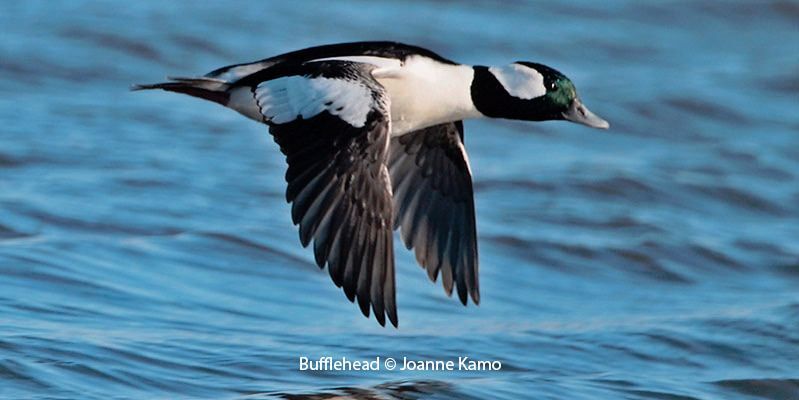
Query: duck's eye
[553,86]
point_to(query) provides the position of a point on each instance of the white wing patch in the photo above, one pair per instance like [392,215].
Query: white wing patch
[520,81]
[285,99]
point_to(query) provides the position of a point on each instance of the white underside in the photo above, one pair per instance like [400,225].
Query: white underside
[243,101]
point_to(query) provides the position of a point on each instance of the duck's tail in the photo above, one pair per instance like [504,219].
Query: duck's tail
[211,89]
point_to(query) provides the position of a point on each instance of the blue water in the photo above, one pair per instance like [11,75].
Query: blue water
[146,250]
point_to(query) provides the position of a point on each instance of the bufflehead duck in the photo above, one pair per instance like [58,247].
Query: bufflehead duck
[373,137]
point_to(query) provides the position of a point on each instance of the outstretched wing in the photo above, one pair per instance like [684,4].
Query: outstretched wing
[434,204]
[331,120]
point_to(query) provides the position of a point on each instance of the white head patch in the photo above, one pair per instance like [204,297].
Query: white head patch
[520,81]
[284,99]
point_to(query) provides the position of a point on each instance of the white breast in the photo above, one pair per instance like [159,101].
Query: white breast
[425,92]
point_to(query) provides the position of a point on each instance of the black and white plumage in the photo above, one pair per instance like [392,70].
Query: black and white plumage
[373,138]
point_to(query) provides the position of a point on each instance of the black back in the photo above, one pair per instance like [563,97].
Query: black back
[385,49]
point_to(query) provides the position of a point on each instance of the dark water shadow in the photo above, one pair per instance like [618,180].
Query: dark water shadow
[398,390]
[763,388]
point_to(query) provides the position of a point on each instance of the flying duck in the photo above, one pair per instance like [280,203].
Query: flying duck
[373,138]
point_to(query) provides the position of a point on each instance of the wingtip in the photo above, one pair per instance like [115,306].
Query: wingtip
[476,297]
[305,236]
[463,297]
[381,319]
[447,290]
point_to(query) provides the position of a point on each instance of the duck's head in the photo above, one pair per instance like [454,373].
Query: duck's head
[531,92]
